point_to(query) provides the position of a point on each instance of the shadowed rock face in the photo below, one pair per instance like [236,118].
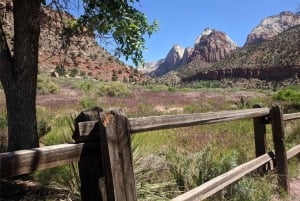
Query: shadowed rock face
[187,55]
[269,73]
[272,26]
[213,46]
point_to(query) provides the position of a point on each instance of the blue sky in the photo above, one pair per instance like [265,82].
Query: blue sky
[181,21]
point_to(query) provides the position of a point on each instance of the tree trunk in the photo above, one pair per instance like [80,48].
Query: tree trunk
[19,75]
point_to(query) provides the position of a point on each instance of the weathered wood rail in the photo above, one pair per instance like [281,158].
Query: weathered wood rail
[104,155]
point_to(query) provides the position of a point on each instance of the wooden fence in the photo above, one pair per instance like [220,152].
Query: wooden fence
[104,154]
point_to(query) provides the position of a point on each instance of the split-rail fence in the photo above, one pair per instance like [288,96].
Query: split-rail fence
[104,155]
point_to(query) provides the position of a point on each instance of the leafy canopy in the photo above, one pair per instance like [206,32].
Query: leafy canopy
[118,20]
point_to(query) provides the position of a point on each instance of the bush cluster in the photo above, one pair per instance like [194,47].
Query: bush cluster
[46,86]
[113,89]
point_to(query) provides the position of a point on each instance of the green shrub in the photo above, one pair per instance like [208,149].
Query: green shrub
[254,188]
[205,84]
[158,87]
[73,72]
[190,109]
[60,70]
[46,86]
[290,97]
[82,73]
[113,89]
[193,169]
[87,102]
[288,94]
[85,86]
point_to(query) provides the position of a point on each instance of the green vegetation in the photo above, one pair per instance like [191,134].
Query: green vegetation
[112,89]
[60,70]
[289,97]
[205,84]
[74,72]
[46,86]
[290,94]
[180,159]
[87,102]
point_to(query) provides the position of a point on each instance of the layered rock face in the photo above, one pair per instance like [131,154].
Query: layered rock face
[188,52]
[212,46]
[269,73]
[272,26]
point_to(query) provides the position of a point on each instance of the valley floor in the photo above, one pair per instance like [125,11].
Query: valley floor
[144,102]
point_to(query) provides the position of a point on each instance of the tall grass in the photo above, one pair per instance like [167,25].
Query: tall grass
[46,86]
[191,170]
[150,187]
[166,162]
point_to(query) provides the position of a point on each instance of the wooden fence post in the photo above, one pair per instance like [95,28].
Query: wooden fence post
[118,163]
[259,124]
[90,162]
[279,146]
[106,170]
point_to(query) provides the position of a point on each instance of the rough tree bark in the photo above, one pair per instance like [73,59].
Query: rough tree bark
[18,75]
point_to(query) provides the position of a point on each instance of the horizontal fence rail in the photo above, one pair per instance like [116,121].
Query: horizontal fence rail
[26,161]
[292,116]
[218,183]
[293,152]
[152,123]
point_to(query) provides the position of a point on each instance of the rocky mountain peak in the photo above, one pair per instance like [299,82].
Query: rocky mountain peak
[272,26]
[187,55]
[212,45]
[206,32]
[175,55]
[171,62]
